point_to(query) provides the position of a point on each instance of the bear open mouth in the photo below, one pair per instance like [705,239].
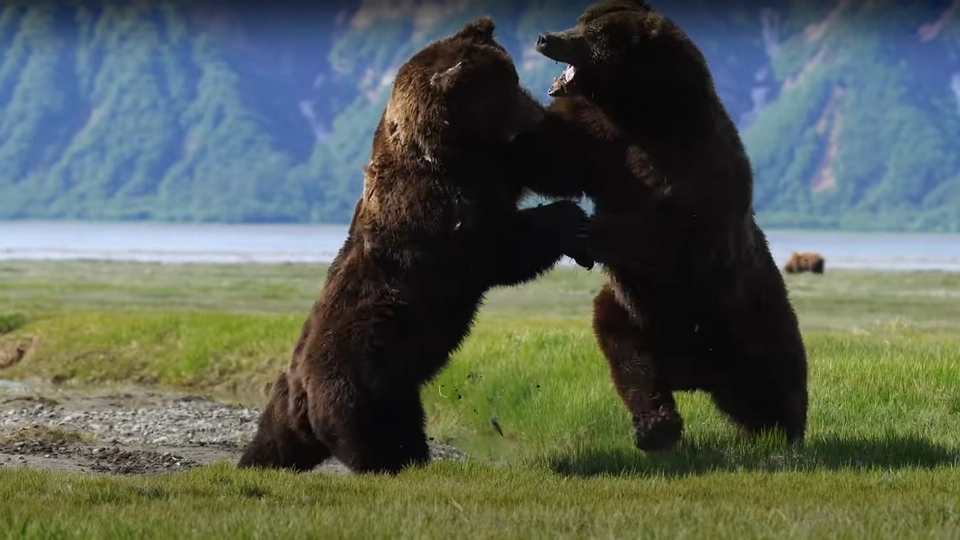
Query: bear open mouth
[564,85]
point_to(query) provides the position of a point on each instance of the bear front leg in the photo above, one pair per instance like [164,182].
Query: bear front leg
[657,423]
[534,240]
[276,445]
[550,159]
[635,242]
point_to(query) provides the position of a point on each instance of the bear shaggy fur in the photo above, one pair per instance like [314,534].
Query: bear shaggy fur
[437,226]
[804,262]
[694,299]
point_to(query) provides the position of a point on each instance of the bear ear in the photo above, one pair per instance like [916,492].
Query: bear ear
[640,5]
[443,78]
[478,30]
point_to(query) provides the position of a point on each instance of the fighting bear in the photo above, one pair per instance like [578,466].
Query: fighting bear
[437,226]
[804,262]
[694,300]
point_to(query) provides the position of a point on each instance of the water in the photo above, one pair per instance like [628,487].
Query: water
[170,243]
[319,244]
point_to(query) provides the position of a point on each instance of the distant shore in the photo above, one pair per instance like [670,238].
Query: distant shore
[318,244]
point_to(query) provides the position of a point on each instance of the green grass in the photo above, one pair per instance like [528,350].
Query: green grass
[11,322]
[477,501]
[882,459]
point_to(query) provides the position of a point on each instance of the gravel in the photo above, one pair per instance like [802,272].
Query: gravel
[179,422]
[137,433]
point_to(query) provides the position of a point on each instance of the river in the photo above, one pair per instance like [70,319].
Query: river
[173,243]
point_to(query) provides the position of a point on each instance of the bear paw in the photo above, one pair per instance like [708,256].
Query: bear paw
[658,431]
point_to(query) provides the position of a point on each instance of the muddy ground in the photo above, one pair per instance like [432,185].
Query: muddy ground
[128,432]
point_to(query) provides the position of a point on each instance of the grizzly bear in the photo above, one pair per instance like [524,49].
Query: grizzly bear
[804,262]
[437,226]
[694,299]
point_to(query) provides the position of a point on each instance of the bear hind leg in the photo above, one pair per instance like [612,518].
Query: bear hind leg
[283,449]
[386,436]
[765,406]
[276,444]
[657,424]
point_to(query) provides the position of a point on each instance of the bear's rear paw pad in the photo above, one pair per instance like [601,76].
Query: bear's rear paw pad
[659,431]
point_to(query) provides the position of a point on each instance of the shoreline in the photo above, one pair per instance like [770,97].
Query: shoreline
[319,244]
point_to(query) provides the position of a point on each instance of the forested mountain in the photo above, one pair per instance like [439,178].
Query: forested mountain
[254,112]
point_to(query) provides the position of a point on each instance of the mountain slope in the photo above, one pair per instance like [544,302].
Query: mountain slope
[865,130]
[850,109]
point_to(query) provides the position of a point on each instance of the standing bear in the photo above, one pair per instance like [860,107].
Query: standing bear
[694,299]
[437,226]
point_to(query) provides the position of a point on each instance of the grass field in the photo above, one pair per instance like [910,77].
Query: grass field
[882,458]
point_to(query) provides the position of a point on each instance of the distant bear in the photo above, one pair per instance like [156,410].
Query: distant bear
[437,226]
[694,300]
[804,262]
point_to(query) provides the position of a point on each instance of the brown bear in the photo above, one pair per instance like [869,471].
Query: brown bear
[804,262]
[436,227]
[694,299]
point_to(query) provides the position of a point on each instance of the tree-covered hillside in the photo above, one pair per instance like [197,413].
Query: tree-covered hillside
[174,111]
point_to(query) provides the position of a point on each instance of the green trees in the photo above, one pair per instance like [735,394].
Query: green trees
[866,128]
[163,111]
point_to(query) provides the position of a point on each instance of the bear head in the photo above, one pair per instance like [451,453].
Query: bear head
[460,92]
[625,51]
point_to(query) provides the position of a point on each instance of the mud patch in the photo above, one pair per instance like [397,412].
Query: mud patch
[12,352]
[94,459]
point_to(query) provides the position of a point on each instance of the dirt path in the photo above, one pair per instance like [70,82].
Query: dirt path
[134,431]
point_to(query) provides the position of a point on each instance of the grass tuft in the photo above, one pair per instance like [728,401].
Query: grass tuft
[37,433]
[11,322]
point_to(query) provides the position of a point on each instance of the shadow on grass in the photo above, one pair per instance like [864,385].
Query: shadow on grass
[716,455]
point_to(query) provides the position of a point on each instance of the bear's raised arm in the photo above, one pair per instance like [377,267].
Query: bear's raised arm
[530,242]
[553,158]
